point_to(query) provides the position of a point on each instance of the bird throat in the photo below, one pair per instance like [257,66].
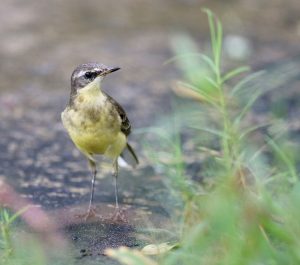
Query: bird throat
[90,96]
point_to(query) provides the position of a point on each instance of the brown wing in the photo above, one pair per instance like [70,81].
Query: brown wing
[125,125]
[128,153]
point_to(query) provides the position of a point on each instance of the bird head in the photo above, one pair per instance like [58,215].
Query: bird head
[88,73]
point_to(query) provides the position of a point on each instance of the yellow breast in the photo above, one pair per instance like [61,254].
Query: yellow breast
[94,125]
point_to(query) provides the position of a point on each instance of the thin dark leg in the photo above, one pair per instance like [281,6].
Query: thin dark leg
[94,169]
[116,172]
[118,216]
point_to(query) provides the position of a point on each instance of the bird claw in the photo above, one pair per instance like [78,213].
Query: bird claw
[90,214]
[119,216]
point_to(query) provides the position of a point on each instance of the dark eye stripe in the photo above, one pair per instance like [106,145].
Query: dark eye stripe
[90,75]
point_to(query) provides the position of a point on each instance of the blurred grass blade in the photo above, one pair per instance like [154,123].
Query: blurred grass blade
[212,29]
[244,81]
[184,92]
[216,35]
[19,213]
[219,43]
[261,149]
[182,56]
[211,81]
[211,152]
[250,103]
[253,128]
[203,93]
[183,45]
[209,62]
[5,216]
[188,55]
[212,131]
[235,72]
[284,157]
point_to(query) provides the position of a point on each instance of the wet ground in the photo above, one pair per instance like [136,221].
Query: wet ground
[42,42]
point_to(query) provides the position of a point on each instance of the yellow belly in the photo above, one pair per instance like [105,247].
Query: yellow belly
[92,143]
[95,132]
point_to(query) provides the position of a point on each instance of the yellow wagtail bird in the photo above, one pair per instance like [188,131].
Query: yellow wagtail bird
[96,123]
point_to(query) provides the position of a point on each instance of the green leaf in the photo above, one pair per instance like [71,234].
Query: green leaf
[209,130]
[253,128]
[247,107]
[5,216]
[180,56]
[18,213]
[211,29]
[211,81]
[201,56]
[235,72]
[219,38]
[244,81]
[202,93]
[209,62]
[284,157]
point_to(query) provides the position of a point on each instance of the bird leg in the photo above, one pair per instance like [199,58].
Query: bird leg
[91,211]
[115,175]
[118,214]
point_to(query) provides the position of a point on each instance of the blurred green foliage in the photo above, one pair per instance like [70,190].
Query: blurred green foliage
[19,246]
[245,210]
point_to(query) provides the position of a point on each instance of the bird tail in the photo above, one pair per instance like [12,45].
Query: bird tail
[129,156]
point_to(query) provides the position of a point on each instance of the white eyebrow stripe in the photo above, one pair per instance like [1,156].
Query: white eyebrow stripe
[82,72]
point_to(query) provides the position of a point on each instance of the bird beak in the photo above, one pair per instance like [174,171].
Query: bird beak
[110,70]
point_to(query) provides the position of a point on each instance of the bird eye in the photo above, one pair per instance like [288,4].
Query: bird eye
[88,75]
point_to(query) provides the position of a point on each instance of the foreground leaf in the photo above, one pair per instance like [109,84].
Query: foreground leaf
[129,257]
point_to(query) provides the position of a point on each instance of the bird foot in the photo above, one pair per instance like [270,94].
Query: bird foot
[119,216]
[89,215]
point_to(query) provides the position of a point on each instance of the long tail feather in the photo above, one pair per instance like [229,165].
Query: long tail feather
[129,156]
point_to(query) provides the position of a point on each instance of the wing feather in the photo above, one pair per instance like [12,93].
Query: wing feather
[125,123]
[128,153]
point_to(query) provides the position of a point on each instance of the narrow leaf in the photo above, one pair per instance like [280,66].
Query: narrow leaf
[219,38]
[248,106]
[209,130]
[201,56]
[205,95]
[235,72]
[253,128]
[6,216]
[285,159]
[211,81]
[209,62]
[211,29]
[244,81]
[18,213]
[180,56]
